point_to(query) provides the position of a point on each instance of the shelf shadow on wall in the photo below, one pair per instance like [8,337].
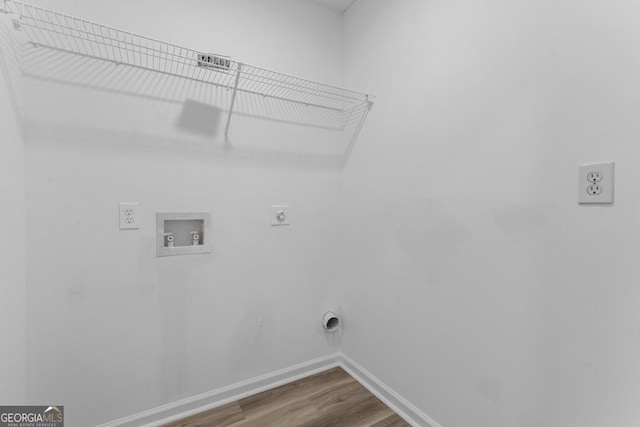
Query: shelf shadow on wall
[199,109]
[199,118]
[148,145]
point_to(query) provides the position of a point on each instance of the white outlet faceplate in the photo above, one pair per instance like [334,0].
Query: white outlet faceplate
[129,216]
[280,215]
[595,183]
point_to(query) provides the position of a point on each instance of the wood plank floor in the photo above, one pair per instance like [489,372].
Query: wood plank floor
[330,398]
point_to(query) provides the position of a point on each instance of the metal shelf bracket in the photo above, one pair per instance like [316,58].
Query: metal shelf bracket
[233,99]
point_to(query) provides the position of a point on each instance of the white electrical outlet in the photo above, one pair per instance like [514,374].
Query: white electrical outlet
[595,183]
[129,216]
[280,215]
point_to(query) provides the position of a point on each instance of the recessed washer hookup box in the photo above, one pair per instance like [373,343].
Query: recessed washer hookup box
[183,233]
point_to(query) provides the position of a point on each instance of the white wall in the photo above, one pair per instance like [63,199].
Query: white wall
[113,330]
[12,218]
[504,302]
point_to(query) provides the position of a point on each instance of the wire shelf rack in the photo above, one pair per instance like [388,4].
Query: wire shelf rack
[54,30]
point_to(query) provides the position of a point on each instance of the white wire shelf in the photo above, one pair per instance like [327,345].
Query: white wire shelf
[54,30]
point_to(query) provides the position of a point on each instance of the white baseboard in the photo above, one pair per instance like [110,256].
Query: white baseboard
[213,399]
[393,400]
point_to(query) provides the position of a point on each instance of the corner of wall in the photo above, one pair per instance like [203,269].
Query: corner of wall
[13,256]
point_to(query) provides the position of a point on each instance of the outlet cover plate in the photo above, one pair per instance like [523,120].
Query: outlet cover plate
[595,183]
[129,216]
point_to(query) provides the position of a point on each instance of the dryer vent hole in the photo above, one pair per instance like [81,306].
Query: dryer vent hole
[333,323]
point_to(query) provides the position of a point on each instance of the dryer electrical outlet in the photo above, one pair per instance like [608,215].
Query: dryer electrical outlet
[595,183]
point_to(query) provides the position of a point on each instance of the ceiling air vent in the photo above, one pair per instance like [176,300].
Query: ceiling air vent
[217,62]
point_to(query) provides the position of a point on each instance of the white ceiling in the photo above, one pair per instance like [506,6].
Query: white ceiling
[338,5]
